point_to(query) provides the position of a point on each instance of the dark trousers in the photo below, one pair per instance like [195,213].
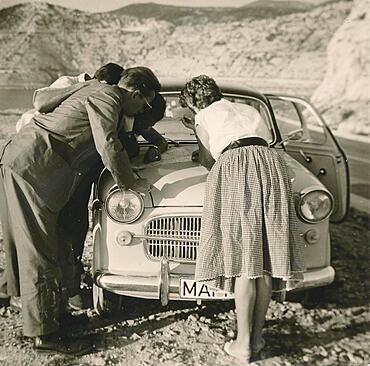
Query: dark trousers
[9,279]
[73,225]
[34,242]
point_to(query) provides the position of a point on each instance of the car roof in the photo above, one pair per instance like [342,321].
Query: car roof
[227,86]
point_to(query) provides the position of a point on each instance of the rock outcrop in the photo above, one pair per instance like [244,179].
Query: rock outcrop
[344,94]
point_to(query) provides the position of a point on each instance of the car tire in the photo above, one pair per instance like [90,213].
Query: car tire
[106,302]
[309,298]
[297,296]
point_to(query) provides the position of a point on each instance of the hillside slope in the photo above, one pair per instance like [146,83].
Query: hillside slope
[41,41]
[308,45]
[259,9]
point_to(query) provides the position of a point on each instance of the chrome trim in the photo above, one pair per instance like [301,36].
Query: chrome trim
[144,237]
[164,282]
[316,278]
[148,286]
[143,286]
[177,239]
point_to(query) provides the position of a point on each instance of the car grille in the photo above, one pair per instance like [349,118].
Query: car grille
[173,237]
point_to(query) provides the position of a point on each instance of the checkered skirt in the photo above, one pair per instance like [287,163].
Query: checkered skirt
[249,224]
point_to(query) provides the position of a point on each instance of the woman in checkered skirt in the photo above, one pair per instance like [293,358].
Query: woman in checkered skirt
[249,233]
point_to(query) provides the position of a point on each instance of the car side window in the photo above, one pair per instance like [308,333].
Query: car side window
[296,121]
[315,131]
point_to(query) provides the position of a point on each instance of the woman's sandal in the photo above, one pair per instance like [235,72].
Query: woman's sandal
[245,356]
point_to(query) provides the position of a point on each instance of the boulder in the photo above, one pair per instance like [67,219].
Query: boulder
[344,94]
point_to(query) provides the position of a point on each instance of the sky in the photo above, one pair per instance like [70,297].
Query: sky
[106,5]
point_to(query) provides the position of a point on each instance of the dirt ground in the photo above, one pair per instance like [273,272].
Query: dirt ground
[329,326]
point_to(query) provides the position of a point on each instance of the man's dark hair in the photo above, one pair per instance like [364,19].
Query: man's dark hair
[110,73]
[140,78]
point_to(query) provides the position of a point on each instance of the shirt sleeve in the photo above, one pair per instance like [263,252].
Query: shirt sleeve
[104,110]
[64,81]
[25,119]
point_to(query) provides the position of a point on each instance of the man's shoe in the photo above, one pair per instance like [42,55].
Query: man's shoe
[54,343]
[67,319]
[4,301]
[15,303]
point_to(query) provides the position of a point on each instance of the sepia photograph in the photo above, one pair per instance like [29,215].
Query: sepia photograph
[185,182]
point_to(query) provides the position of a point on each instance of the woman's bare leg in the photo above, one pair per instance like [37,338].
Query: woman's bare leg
[245,296]
[263,297]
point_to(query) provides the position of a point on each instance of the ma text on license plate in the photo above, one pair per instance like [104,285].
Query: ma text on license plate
[190,289]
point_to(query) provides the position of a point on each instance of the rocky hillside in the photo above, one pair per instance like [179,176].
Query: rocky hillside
[259,9]
[344,94]
[287,41]
[40,42]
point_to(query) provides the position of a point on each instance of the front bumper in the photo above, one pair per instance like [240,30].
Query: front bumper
[165,286]
[162,285]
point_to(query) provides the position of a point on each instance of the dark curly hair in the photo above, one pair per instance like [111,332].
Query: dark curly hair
[111,73]
[201,91]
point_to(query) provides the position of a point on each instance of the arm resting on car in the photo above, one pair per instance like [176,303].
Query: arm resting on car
[155,138]
[103,110]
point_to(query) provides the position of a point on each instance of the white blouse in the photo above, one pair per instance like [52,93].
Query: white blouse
[227,121]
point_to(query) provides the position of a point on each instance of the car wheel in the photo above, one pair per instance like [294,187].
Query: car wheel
[298,296]
[106,302]
[309,298]
[279,296]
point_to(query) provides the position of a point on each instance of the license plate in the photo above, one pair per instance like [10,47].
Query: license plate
[190,289]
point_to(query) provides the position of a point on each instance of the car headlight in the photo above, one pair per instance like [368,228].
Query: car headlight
[124,206]
[315,205]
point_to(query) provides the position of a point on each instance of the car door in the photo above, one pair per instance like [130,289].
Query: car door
[309,140]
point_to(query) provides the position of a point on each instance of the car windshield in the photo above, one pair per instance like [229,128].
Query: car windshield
[173,129]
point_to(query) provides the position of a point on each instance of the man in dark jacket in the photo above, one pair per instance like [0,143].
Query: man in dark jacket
[73,218]
[109,73]
[42,167]
[73,221]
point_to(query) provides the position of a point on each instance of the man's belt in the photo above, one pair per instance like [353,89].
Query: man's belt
[247,141]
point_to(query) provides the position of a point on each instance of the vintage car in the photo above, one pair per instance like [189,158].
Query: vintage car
[146,246]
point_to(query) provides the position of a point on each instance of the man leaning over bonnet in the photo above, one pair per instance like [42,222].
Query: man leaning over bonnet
[73,219]
[69,220]
[40,169]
